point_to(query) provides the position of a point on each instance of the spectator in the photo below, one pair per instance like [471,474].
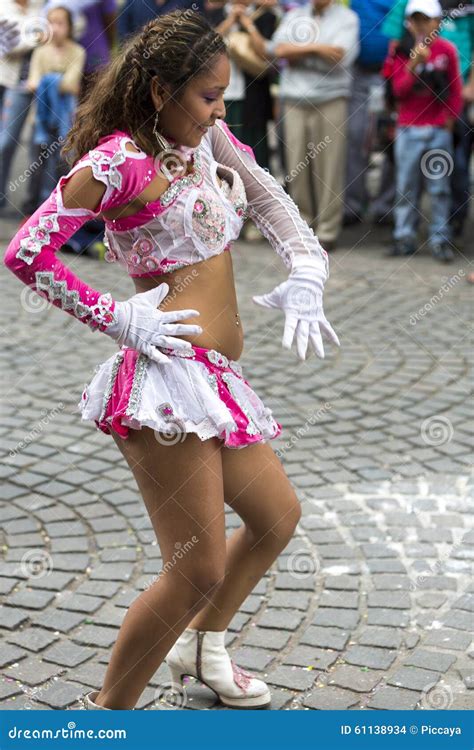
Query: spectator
[457,26]
[55,78]
[315,87]
[361,121]
[424,75]
[234,94]
[15,99]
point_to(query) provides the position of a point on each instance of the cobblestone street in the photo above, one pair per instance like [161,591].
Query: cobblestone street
[370,605]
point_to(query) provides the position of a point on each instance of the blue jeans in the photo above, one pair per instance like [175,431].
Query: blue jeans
[15,106]
[423,153]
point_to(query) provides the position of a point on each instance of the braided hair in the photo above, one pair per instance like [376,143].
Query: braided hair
[175,48]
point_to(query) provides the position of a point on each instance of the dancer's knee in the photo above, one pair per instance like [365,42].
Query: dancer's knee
[201,583]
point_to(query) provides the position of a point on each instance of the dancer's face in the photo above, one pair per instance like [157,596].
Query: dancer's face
[201,103]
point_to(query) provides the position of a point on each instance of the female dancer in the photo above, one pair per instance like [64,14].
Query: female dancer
[174,397]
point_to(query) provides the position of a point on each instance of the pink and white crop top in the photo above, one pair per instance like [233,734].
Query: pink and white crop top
[196,217]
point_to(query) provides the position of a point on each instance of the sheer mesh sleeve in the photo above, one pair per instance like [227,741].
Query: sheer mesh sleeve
[31,254]
[274,212]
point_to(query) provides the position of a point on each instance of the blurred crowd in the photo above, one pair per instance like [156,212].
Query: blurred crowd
[323,91]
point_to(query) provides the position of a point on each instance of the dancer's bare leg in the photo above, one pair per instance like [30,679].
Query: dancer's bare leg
[182,488]
[257,488]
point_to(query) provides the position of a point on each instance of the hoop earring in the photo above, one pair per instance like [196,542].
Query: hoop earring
[163,144]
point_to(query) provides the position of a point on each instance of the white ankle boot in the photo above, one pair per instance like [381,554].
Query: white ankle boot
[90,704]
[202,654]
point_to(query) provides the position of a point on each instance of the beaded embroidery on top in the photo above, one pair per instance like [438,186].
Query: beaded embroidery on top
[104,167]
[101,314]
[38,236]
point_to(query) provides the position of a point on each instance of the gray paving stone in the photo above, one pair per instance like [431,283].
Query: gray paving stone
[266,638]
[380,637]
[253,659]
[308,656]
[331,699]
[434,660]
[79,602]
[293,677]
[431,600]
[10,654]
[295,583]
[394,699]
[32,671]
[104,589]
[342,583]
[339,599]
[30,599]
[68,654]
[290,599]
[459,620]
[389,600]
[55,619]
[12,618]
[392,618]
[280,619]
[334,638]
[60,695]
[33,639]
[455,640]
[343,618]
[366,656]
[413,678]
[54,581]
[354,678]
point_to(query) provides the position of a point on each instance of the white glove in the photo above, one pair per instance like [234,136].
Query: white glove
[144,328]
[301,299]
[9,35]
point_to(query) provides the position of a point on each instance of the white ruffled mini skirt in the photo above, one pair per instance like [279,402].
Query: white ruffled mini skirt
[200,391]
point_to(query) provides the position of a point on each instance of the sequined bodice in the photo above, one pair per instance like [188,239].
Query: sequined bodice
[197,217]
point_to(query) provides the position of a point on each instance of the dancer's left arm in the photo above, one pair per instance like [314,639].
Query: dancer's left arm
[278,218]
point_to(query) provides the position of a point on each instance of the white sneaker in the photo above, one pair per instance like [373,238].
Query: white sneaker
[202,654]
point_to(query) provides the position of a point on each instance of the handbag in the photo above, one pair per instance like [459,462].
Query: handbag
[242,52]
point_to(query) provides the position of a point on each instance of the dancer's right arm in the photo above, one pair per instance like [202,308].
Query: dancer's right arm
[103,179]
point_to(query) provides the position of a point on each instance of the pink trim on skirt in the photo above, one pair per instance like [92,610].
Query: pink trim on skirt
[119,399]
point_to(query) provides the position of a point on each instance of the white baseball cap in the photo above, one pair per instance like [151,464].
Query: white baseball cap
[430,8]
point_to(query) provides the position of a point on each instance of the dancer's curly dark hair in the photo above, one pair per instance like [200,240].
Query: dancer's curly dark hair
[175,47]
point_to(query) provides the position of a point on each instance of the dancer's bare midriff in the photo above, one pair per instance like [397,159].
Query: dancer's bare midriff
[207,286]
